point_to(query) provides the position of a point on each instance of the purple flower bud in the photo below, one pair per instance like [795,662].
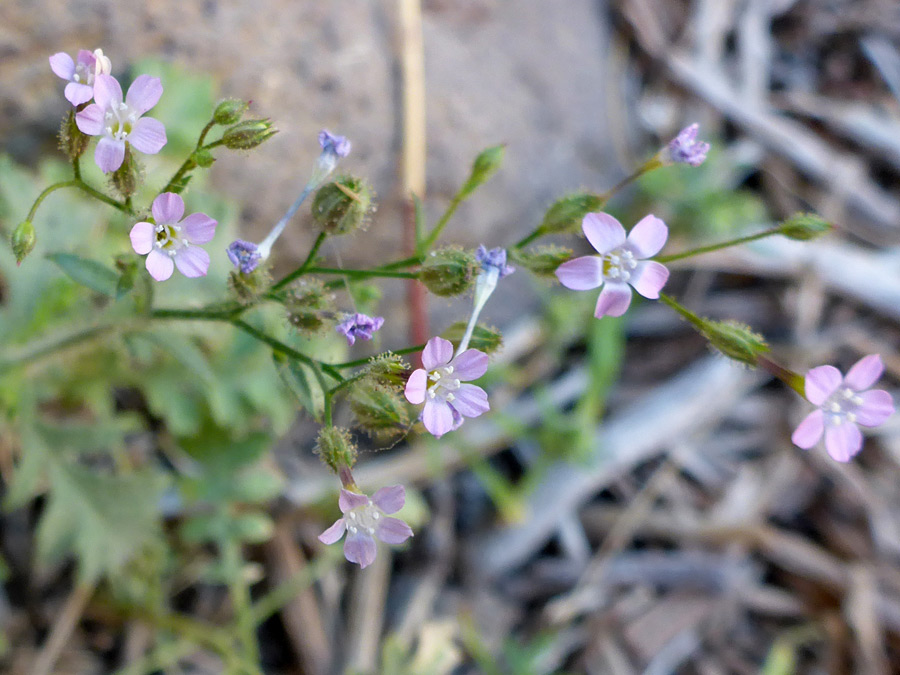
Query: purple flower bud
[686,149]
[494,258]
[359,326]
[334,144]
[244,255]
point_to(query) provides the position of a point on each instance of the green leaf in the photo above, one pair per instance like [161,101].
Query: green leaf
[303,383]
[104,520]
[88,273]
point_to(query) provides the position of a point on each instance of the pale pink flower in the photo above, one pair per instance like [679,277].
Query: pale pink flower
[621,264]
[844,404]
[365,519]
[441,386]
[171,241]
[118,122]
[80,73]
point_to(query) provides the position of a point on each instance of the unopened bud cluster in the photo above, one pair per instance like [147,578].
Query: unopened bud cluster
[566,213]
[23,240]
[735,340]
[343,205]
[804,227]
[248,134]
[336,448]
[308,307]
[449,271]
[541,261]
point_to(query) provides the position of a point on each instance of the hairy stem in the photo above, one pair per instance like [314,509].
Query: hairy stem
[716,247]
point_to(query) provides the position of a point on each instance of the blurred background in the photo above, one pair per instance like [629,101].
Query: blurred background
[634,503]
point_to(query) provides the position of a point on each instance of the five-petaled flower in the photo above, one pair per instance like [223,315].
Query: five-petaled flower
[441,386]
[80,73]
[118,122]
[364,519]
[686,149]
[844,404]
[621,264]
[171,241]
[359,326]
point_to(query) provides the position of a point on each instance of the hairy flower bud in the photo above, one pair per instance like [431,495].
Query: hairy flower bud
[735,340]
[308,306]
[71,139]
[484,339]
[23,240]
[387,370]
[344,205]
[203,158]
[230,111]
[541,260]
[336,448]
[247,288]
[125,178]
[449,271]
[383,413]
[566,213]
[485,165]
[804,227]
[248,134]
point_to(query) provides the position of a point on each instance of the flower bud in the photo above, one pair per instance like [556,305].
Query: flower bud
[485,165]
[383,413]
[541,260]
[804,227]
[735,340]
[125,178]
[307,307]
[449,271]
[203,158]
[387,370]
[484,339]
[566,213]
[335,447]
[344,205]
[230,111]
[23,240]
[248,134]
[72,141]
[247,288]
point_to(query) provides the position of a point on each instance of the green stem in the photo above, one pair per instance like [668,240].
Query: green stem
[52,188]
[214,313]
[363,274]
[300,271]
[432,237]
[233,562]
[362,362]
[76,167]
[719,246]
[695,320]
[96,194]
[317,366]
[406,262]
[189,163]
[524,241]
[346,383]
[203,133]
[70,340]
[794,380]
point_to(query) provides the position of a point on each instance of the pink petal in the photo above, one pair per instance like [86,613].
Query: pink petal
[437,352]
[167,208]
[360,548]
[842,441]
[470,365]
[437,417]
[148,135]
[390,499]
[864,372]
[109,154]
[159,264]
[347,501]
[199,228]
[393,531]
[614,300]
[647,238]
[77,93]
[90,120]
[581,274]
[62,65]
[192,261]
[144,93]
[458,419]
[809,431]
[86,57]
[821,382]
[107,91]
[142,237]
[333,533]
[648,278]
[416,386]
[876,408]
[603,231]
[470,400]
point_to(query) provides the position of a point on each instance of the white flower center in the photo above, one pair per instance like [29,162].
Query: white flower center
[84,73]
[119,120]
[169,239]
[842,406]
[444,384]
[619,264]
[363,518]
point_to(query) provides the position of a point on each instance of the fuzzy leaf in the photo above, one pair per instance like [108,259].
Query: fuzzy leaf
[302,382]
[88,273]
